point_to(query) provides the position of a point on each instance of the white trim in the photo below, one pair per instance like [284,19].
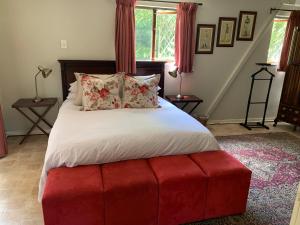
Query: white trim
[293,6]
[236,72]
[232,121]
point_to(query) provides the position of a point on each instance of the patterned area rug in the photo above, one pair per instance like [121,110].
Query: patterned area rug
[274,159]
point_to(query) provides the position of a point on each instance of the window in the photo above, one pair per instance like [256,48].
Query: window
[277,38]
[155,34]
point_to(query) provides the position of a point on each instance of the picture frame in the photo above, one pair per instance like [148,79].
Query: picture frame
[246,26]
[226,31]
[205,38]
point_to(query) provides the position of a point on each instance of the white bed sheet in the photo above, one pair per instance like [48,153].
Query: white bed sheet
[96,137]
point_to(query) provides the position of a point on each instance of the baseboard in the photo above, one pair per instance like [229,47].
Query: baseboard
[23,132]
[228,121]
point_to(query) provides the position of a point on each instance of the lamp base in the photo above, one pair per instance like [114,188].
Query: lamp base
[37,100]
[179,96]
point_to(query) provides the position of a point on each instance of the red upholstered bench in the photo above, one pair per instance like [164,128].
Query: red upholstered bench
[167,190]
[74,196]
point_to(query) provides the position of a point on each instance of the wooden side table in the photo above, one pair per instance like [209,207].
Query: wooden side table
[187,99]
[28,103]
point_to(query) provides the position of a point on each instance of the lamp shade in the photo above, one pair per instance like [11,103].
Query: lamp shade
[45,71]
[174,73]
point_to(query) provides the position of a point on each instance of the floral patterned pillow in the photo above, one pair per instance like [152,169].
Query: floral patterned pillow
[101,94]
[78,99]
[140,93]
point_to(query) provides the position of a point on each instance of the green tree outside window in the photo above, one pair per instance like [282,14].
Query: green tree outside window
[164,38]
[277,38]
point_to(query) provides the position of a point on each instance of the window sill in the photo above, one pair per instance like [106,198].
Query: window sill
[156,60]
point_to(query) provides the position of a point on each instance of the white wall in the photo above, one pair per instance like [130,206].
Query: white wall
[212,71]
[31,31]
[30,35]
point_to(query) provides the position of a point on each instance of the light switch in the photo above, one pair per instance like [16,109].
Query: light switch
[63,44]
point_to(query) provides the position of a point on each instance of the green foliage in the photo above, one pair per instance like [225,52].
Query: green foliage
[143,21]
[165,34]
[277,38]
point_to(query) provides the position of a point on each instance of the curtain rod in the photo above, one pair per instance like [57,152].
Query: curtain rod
[164,1]
[154,7]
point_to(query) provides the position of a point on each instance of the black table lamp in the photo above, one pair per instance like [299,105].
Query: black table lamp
[45,73]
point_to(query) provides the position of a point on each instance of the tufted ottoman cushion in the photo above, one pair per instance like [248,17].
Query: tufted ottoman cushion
[182,189]
[74,196]
[228,183]
[131,193]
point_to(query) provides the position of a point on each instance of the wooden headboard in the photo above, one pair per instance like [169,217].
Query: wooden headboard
[69,67]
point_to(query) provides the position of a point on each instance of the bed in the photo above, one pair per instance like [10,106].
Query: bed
[105,136]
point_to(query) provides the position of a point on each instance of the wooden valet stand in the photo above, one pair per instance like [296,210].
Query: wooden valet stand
[255,77]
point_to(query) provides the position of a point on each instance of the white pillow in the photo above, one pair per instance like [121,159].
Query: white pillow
[73,87]
[72,91]
[71,96]
[78,99]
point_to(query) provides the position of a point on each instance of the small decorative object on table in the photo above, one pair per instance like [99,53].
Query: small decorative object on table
[45,72]
[3,143]
[30,104]
[186,99]
[264,68]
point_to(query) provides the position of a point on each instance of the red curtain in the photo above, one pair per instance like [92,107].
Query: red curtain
[185,36]
[3,144]
[125,36]
[294,21]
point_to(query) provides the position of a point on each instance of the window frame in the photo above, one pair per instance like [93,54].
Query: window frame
[154,23]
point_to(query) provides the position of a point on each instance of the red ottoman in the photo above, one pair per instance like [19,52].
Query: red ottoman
[167,190]
[131,193]
[74,196]
[182,190]
[228,183]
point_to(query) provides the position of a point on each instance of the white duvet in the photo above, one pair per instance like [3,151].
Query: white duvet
[96,137]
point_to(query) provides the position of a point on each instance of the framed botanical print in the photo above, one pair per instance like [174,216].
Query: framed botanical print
[226,32]
[205,38]
[246,26]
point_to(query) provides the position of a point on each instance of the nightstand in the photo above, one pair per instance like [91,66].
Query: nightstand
[186,100]
[28,103]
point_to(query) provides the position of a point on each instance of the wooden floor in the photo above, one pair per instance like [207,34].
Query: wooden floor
[21,169]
